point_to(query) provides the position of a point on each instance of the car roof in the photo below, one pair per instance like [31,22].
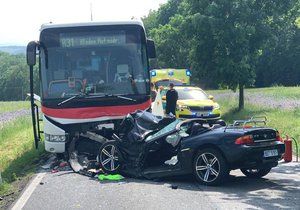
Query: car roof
[187,87]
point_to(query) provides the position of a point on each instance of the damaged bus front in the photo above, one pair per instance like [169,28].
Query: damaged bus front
[91,76]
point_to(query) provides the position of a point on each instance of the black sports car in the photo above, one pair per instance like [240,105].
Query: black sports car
[153,147]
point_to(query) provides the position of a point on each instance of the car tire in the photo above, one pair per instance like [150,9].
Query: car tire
[256,173]
[210,167]
[109,157]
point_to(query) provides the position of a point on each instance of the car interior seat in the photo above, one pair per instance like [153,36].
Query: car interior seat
[197,128]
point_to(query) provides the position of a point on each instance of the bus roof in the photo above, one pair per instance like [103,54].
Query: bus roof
[91,23]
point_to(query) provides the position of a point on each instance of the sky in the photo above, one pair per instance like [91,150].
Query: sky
[20,20]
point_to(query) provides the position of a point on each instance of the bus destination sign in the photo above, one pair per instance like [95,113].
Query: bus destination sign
[91,40]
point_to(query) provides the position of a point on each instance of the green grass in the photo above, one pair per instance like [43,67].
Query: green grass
[7,106]
[286,121]
[18,155]
[275,92]
[279,92]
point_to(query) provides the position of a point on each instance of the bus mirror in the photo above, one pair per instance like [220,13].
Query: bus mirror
[151,48]
[31,53]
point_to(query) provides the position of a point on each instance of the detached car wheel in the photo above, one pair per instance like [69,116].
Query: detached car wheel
[210,167]
[109,157]
[256,173]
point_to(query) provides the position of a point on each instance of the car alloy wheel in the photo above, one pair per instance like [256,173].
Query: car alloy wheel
[210,167]
[109,158]
[207,167]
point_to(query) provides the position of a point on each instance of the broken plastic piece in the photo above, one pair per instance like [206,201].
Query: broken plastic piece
[172,161]
[115,177]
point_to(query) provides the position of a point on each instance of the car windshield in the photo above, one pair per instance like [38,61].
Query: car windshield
[166,83]
[93,62]
[190,93]
[165,130]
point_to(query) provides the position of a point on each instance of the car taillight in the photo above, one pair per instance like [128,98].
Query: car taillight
[278,137]
[244,140]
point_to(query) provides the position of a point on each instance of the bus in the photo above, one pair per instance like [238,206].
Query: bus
[91,75]
[163,77]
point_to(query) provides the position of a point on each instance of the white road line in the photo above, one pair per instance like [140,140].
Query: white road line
[28,192]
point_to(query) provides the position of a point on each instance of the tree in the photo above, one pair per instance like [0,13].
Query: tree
[169,38]
[14,77]
[224,41]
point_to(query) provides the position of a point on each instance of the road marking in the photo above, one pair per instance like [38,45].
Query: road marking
[28,192]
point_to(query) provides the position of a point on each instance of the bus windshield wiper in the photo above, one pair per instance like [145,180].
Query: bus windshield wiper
[123,97]
[70,99]
[94,96]
[111,95]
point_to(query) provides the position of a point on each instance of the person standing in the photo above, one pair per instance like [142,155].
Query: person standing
[153,92]
[171,100]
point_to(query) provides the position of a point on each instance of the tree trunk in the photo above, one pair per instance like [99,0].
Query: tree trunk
[241,96]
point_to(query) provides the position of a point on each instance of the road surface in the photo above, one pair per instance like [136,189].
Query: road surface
[66,190]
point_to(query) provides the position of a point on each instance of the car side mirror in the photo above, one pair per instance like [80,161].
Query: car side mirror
[31,53]
[210,97]
[151,49]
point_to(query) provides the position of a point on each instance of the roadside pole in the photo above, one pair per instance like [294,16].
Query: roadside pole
[0,178]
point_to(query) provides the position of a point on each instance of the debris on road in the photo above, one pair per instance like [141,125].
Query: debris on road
[54,171]
[110,177]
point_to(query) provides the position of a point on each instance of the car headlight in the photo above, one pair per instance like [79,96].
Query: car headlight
[216,106]
[55,138]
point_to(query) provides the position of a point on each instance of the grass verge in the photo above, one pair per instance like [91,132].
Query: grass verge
[8,106]
[18,155]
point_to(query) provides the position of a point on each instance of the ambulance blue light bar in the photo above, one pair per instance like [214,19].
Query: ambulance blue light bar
[188,73]
[153,73]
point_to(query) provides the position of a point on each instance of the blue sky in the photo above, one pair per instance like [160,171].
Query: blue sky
[20,20]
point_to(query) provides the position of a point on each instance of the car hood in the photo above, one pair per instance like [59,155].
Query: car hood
[193,102]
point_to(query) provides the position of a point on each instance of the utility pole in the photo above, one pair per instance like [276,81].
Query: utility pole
[91,10]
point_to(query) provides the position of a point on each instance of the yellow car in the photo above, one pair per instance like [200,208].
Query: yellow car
[193,102]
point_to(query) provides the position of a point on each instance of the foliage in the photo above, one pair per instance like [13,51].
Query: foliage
[14,77]
[229,42]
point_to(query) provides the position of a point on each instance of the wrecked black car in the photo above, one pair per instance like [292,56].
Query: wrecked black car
[152,147]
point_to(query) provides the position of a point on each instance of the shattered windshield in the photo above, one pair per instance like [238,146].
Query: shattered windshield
[165,130]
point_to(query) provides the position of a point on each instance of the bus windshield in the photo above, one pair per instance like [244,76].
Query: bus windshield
[93,60]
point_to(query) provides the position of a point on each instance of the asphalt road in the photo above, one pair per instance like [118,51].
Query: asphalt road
[66,190]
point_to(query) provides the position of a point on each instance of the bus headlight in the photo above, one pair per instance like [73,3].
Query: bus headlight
[55,138]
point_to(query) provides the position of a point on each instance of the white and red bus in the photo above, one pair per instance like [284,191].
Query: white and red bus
[91,75]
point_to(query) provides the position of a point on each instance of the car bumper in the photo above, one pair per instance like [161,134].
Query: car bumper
[253,156]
